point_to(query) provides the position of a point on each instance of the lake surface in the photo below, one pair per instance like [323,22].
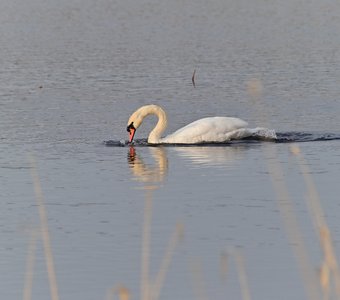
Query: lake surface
[71,74]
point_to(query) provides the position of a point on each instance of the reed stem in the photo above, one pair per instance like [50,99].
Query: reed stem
[44,231]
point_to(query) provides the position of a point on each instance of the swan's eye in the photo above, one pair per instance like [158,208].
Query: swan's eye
[130,127]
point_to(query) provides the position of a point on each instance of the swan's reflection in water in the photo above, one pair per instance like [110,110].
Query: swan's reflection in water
[152,175]
[211,156]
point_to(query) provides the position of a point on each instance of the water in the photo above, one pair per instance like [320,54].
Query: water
[72,72]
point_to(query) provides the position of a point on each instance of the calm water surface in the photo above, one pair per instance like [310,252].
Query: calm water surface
[71,74]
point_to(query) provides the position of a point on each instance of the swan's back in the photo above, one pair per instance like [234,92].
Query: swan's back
[214,129]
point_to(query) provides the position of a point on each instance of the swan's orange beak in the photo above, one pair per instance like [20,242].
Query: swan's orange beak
[131,134]
[131,130]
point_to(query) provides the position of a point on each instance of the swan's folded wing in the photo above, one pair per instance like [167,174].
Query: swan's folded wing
[215,129]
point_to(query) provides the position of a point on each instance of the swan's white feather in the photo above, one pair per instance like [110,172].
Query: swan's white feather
[213,129]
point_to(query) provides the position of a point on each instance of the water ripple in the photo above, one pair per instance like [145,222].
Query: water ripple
[282,137]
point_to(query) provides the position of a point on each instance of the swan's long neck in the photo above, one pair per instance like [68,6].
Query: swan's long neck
[156,133]
[138,116]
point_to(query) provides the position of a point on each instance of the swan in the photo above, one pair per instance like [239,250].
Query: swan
[206,130]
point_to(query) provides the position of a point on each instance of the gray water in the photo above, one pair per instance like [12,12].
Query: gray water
[71,74]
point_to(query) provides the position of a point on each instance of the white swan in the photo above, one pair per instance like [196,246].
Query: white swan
[206,130]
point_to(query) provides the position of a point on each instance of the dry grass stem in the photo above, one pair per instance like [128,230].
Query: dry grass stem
[241,270]
[173,242]
[122,292]
[145,278]
[325,280]
[44,231]
[30,262]
[330,265]
[224,265]
[198,280]
[242,275]
[254,88]
[291,225]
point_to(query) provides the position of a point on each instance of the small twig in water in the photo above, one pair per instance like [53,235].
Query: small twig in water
[193,78]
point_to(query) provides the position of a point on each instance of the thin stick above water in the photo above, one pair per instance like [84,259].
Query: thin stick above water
[193,78]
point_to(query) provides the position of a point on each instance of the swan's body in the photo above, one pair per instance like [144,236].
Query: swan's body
[213,129]
[206,130]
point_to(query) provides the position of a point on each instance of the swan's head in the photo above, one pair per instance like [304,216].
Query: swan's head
[134,122]
[138,116]
[131,130]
